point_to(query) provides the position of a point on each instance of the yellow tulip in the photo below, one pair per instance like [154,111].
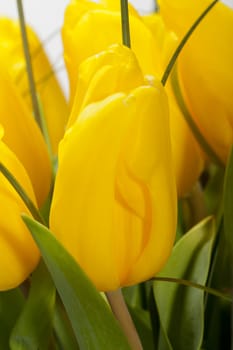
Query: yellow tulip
[23,137]
[205,71]
[51,96]
[153,46]
[114,203]
[19,254]
[83,18]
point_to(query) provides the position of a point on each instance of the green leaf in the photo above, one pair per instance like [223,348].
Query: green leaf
[228,207]
[141,320]
[133,295]
[11,304]
[181,308]
[94,325]
[63,331]
[33,329]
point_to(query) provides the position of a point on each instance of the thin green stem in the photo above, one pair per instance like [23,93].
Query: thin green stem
[120,310]
[183,42]
[18,188]
[125,23]
[31,80]
[193,126]
[194,285]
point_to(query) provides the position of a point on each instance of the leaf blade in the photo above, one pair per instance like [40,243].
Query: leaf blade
[33,329]
[11,304]
[181,309]
[98,329]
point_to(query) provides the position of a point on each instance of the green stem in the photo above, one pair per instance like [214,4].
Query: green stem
[121,312]
[18,188]
[194,285]
[193,126]
[183,42]
[125,23]
[31,79]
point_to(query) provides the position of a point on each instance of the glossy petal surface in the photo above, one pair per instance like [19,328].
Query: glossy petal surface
[108,208]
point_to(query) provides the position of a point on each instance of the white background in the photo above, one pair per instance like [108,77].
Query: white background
[46,16]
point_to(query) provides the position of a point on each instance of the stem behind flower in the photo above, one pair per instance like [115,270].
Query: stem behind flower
[120,310]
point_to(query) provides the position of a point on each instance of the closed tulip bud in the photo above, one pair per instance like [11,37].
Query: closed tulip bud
[205,72]
[19,254]
[23,137]
[12,58]
[114,203]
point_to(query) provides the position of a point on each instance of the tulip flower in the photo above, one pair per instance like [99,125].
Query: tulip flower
[19,254]
[114,202]
[83,17]
[153,46]
[54,106]
[23,137]
[204,68]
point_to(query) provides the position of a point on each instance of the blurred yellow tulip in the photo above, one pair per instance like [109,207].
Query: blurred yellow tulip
[54,106]
[19,254]
[205,71]
[23,137]
[187,156]
[114,202]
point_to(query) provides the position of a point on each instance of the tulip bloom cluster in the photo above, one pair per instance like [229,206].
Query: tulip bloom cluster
[115,174]
[114,185]
[125,154]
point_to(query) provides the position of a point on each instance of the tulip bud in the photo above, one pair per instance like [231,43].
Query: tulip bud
[114,203]
[19,254]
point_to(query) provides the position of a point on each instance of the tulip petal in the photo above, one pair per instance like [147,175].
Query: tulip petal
[85,185]
[113,70]
[149,164]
